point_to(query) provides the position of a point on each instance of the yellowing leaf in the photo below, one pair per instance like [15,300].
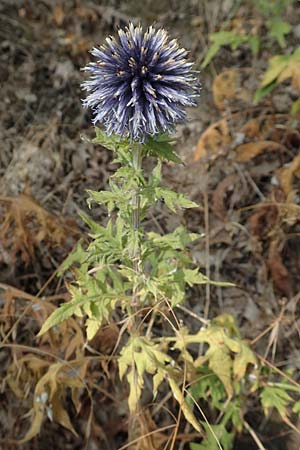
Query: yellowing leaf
[227,356]
[178,395]
[138,357]
[220,363]
[92,326]
[244,357]
[282,67]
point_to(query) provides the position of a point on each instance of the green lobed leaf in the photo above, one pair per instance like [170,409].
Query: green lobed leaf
[207,387]
[278,29]
[224,38]
[176,240]
[76,256]
[112,142]
[173,200]
[193,276]
[92,327]
[161,147]
[216,435]
[275,397]
[62,313]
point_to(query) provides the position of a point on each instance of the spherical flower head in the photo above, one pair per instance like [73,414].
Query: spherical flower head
[140,84]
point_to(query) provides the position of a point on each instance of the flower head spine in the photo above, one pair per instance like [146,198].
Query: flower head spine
[140,84]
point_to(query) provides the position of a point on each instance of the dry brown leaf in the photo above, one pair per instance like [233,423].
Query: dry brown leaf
[86,13]
[246,152]
[285,175]
[48,394]
[219,207]
[26,224]
[35,426]
[224,87]
[144,427]
[227,86]
[263,220]
[289,212]
[60,415]
[280,274]
[58,15]
[251,129]
[106,338]
[213,141]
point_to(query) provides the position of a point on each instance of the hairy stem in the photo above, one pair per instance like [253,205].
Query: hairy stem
[137,156]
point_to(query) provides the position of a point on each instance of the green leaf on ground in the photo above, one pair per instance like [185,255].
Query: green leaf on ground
[275,397]
[217,437]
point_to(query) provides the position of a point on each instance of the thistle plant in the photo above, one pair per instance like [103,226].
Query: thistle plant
[139,87]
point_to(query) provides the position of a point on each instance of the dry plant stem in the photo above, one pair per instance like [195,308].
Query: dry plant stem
[256,439]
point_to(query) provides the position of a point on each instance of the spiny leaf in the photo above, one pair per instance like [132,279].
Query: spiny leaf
[174,200]
[62,313]
[78,255]
[112,142]
[193,276]
[161,147]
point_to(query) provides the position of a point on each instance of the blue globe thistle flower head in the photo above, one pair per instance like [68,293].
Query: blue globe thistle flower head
[140,84]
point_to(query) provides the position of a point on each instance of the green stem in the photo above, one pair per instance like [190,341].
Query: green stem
[137,156]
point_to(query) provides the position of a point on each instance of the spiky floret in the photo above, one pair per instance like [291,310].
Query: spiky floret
[140,83]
